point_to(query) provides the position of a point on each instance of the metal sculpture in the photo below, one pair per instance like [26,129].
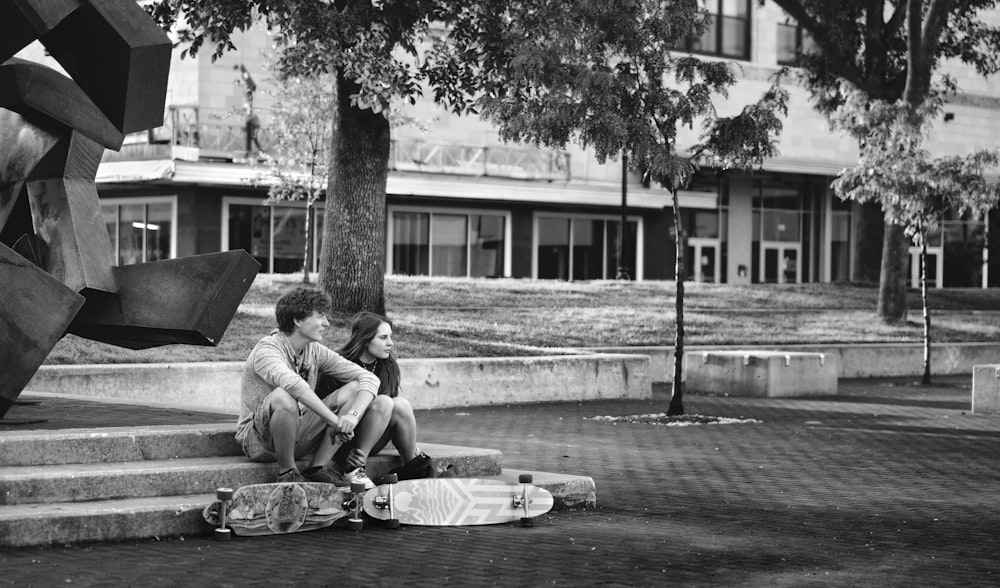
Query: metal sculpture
[57,271]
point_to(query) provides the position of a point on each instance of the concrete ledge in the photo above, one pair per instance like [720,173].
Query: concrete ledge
[986,389]
[759,373]
[856,360]
[427,383]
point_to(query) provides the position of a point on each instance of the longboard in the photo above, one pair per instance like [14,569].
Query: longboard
[288,507]
[457,501]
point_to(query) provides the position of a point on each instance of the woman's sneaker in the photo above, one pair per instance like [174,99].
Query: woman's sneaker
[421,466]
[357,476]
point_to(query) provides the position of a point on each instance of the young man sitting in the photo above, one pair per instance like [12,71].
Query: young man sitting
[282,419]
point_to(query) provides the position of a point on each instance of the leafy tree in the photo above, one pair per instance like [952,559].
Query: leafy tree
[370,48]
[890,50]
[300,124]
[913,189]
[603,72]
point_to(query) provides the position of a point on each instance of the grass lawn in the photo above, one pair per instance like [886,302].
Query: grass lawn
[442,317]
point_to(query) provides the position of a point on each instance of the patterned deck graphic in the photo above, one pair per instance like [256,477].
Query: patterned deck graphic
[457,501]
[265,509]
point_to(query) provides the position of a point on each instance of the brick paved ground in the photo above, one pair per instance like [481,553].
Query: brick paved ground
[888,484]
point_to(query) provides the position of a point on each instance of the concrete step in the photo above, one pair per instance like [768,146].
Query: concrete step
[25,525]
[112,444]
[168,477]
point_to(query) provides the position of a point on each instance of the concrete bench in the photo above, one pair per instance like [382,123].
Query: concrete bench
[986,389]
[761,373]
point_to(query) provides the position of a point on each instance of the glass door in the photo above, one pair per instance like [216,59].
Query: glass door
[702,260]
[781,263]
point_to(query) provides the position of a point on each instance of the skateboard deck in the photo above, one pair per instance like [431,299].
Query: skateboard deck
[269,509]
[456,501]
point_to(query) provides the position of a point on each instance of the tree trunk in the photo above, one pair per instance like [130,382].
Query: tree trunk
[867,227]
[352,262]
[892,281]
[676,406]
[622,273]
[927,312]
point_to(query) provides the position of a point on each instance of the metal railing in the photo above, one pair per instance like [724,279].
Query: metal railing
[498,161]
[188,133]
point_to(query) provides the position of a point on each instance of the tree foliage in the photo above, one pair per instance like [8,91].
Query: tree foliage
[604,73]
[890,51]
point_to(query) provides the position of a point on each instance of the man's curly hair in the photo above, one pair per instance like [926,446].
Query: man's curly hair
[298,304]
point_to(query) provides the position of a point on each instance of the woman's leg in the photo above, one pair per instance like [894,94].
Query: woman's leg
[402,430]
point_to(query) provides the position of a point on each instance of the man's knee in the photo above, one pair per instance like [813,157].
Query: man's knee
[281,401]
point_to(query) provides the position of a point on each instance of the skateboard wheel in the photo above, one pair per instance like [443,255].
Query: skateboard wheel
[357,487]
[392,523]
[224,494]
[355,524]
[222,535]
[527,522]
[391,478]
[524,479]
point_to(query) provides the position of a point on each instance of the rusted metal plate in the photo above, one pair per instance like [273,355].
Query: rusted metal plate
[120,58]
[23,21]
[35,310]
[189,300]
[70,233]
[50,100]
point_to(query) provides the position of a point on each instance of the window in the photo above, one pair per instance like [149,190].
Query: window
[728,32]
[141,231]
[792,39]
[274,235]
[447,243]
[581,248]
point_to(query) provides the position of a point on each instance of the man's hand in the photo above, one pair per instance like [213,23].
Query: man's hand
[343,429]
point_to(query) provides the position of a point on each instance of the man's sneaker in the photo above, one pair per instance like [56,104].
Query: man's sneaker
[318,474]
[292,475]
[357,476]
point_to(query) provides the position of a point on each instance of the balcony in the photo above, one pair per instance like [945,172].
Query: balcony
[501,161]
[192,135]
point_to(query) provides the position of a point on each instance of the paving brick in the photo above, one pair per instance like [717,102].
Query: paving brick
[887,483]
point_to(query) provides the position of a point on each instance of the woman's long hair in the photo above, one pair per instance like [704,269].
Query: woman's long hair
[364,327]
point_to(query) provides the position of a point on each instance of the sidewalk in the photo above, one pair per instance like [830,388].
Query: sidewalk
[888,484]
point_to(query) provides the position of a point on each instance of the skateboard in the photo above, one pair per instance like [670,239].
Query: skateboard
[287,507]
[456,501]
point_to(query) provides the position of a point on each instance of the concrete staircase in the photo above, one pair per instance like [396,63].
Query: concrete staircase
[119,483]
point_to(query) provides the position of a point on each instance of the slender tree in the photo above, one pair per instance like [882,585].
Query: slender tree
[300,128]
[914,189]
[604,73]
[890,50]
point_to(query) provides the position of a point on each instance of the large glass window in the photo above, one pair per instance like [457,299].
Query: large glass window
[410,237]
[274,235]
[448,244]
[728,32]
[140,232]
[450,251]
[963,253]
[581,248]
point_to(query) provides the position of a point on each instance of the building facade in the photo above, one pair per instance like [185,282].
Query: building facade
[462,203]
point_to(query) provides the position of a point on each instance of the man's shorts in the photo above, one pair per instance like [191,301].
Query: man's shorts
[258,444]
